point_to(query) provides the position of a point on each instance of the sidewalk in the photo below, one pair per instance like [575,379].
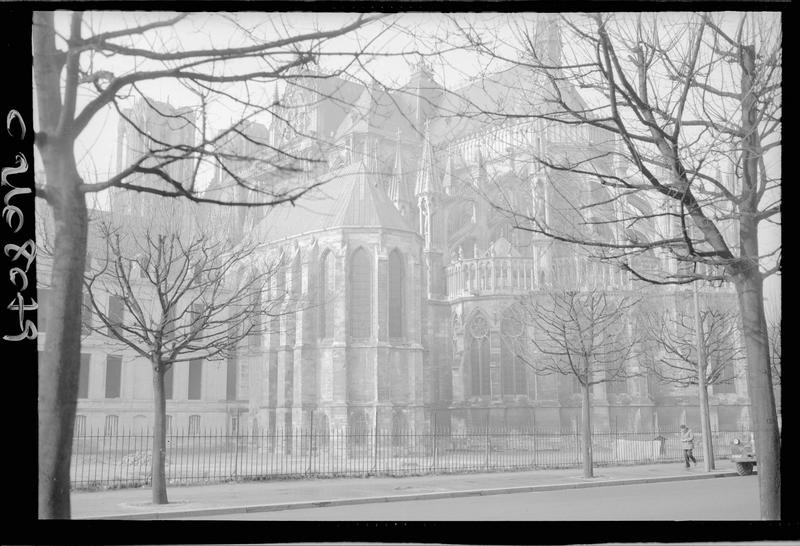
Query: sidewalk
[232,498]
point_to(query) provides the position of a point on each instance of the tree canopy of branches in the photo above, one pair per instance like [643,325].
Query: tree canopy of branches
[702,349]
[584,335]
[660,128]
[81,71]
[675,339]
[774,329]
[176,299]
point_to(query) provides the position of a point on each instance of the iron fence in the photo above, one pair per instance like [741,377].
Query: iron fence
[101,461]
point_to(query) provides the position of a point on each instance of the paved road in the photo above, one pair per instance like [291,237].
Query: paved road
[713,499]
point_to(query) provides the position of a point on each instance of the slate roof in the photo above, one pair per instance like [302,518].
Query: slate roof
[376,111]
[517,90]
[349,197]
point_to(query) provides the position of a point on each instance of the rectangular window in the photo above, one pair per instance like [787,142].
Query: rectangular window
[195,379]
[194,425]
[168,382]
[80,425]
[194,315]
[230,388]
[83,379]
[243,372]
[113,376]
[142,267]
[116,311]
[86,315]
[725,384]
[42,294]
[652,384]
[169,328]
[617,386]
[169,423]
[254,339]
[111,425]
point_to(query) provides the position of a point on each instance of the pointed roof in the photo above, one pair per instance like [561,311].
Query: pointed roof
[447,180]
[547,38]
[372,111]
[397,189]
[347,197]
[428,177]
[371,158]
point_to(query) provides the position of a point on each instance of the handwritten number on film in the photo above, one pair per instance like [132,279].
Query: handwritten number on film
[26,251]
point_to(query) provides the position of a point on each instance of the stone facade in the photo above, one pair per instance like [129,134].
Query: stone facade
[426,191]
[397,275]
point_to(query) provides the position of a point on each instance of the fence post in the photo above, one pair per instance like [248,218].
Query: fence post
[375,444]
[535,455]
[310,441]
[236,449]
[435,438]
[486,459]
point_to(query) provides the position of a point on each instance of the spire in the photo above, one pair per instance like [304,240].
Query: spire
[482,174]
[447,181]
[369,158]
[398,189]
[373,164]
[547,39]
[427,179]
[426,90]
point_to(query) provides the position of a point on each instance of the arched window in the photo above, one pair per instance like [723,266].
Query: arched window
[321,432]
[280,279]
[357,426]
[477,333]
[468,248]
[327,294]
[297,277]
[399,428]
[540,201]
[140,422]
[514,373]
[396,293]
[360,310]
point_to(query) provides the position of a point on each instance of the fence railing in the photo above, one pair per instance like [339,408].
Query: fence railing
[124,460]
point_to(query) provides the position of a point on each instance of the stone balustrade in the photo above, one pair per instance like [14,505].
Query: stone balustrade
[516,275]
[491,276]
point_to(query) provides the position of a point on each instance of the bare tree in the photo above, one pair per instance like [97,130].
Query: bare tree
[585,336]
[75,80]
[656,138]
[774,322]
[173,298]
[695,348]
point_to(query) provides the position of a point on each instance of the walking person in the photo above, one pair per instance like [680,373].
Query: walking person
[687,442]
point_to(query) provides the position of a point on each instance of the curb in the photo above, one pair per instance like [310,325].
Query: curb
[173,514]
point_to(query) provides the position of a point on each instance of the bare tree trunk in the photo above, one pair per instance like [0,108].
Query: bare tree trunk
[159,436]
[587,432]
[763,415]
[60,367]
[749,287]
[702,388]
[705,429]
